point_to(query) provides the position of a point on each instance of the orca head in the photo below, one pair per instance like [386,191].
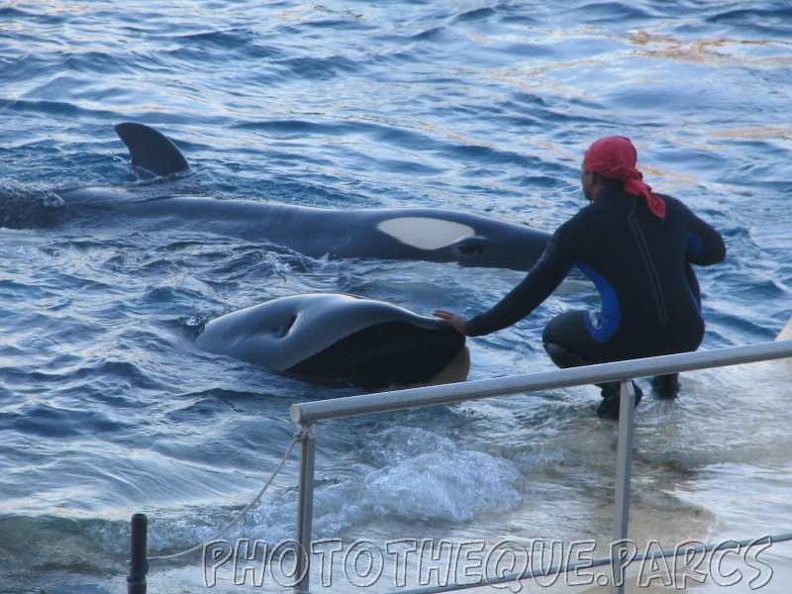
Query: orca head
[274,334]
[515,247]
[468,240]
[389,354]
[332,338]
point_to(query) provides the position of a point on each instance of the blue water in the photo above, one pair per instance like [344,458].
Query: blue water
[486,106]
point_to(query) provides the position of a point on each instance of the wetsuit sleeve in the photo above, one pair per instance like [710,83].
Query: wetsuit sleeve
[704,244]
[537,286]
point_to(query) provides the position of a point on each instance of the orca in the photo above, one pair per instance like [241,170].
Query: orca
[150,149]
[339,339]
[402,234]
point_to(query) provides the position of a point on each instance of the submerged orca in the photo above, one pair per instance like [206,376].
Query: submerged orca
[403,234]
[332,338]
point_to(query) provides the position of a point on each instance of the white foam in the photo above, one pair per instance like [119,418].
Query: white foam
[418,475]
[434,486]
[425,233]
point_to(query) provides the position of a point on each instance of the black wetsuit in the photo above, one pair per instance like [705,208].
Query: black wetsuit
[641,266]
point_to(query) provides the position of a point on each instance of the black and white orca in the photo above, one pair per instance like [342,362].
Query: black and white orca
[331,338]
[404,234]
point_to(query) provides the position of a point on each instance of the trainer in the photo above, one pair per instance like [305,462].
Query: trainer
[637,248]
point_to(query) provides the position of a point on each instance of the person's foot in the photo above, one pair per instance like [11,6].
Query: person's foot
[611,399]
[666,387]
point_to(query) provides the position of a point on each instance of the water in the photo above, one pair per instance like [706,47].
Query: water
[107,409]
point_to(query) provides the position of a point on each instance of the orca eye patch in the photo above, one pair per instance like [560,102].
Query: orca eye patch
[425,233]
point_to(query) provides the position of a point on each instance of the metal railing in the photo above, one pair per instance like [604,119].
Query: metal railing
[305,414]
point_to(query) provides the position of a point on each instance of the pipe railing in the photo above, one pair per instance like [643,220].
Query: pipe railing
[308,413]
[349,406]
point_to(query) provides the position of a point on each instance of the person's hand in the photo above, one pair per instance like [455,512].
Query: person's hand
[456,321]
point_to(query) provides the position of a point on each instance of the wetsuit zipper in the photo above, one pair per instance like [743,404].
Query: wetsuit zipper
[654,279]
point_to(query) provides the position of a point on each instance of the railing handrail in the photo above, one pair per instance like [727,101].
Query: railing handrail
[380,402]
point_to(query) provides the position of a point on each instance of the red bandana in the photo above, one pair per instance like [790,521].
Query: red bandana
[615,157]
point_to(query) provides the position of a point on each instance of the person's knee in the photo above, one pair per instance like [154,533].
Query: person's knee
[562,357]
[563,338]
[556,329]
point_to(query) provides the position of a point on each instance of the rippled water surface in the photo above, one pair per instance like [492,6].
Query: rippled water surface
[107,408]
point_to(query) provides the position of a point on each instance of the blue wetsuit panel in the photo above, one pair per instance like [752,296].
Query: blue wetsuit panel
[604,323]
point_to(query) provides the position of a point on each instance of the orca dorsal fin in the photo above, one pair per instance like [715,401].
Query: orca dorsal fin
[150,149]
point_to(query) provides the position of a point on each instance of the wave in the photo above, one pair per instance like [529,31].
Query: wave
[24,207]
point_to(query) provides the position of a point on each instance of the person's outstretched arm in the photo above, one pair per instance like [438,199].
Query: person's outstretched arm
[540,282]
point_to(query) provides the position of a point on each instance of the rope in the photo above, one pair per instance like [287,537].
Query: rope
[297,437]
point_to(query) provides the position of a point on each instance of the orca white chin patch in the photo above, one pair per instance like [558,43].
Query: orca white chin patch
[425,233]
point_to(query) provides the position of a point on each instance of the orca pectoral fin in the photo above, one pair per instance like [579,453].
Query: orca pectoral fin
[150,149]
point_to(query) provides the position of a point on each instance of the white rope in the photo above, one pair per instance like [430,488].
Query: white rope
[297,437]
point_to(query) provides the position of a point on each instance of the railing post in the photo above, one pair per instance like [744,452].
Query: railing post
[138,565]
[305,511]
[621,516]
